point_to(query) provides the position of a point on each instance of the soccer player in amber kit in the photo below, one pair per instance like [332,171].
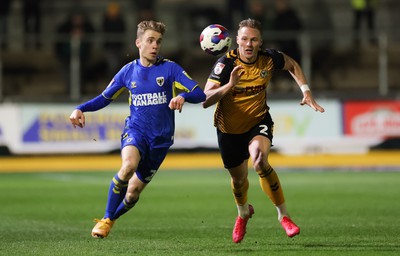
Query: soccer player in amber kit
[149,129]
[237,84]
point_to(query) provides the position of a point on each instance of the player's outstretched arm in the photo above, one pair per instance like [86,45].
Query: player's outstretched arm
[195,96]
[308,99]
[77,118]
[298,75]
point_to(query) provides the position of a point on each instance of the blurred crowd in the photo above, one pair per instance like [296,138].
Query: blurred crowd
[73,37]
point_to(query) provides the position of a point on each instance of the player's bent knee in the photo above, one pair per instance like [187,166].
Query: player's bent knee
[260,164]
[127,170]
[259,159]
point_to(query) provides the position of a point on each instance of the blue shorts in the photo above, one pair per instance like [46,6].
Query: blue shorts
[151,157]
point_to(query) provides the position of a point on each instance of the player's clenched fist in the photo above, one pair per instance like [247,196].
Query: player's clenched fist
[176,103]
[77,118]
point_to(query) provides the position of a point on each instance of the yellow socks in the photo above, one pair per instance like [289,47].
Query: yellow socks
[271,186]
[240,195]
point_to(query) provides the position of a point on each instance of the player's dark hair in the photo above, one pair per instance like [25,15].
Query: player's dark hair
[250,23]
[150,24]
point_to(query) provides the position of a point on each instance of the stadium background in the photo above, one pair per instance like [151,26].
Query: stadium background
[32,85]
[340,169]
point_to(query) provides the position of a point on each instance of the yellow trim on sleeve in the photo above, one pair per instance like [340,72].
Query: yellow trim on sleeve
[214,81]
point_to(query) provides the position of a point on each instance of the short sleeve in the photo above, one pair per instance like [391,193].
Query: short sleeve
[221,71]
[277,58]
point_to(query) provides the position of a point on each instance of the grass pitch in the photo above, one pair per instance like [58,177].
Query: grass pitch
[193,212]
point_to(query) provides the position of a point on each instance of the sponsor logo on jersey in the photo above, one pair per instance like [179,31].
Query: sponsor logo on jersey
[248,90]
[218,68]
[160,81]
[149,99]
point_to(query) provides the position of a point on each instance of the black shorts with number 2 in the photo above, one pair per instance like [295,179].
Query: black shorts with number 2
[234,148]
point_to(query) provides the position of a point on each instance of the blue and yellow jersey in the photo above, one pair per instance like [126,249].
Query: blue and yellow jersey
[246,104]
[150,91]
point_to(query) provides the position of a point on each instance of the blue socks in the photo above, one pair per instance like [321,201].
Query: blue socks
[124,207]
[116,195]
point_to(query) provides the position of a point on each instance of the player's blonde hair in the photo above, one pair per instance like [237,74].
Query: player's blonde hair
[250,23]
[150,24]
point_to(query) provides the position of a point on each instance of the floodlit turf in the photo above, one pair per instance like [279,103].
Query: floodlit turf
[192,213]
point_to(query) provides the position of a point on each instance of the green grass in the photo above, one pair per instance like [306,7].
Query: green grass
[193,212]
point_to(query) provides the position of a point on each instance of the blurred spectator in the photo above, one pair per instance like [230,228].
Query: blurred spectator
[114,29]
[200,17]
[145,9]
[257,11]
[236,11]
[78,26]
[32,22]
[322,53]
[286,24]
[4,13]
[364,10]
[287,20]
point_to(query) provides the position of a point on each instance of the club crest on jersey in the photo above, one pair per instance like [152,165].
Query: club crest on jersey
[160,81]
[218,68]
[264,73]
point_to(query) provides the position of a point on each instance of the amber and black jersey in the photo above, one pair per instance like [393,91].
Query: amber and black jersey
[245,105]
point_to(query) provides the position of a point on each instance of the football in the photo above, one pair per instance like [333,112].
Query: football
[215,39]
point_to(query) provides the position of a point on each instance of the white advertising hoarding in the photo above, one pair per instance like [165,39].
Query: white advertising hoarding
[45,129]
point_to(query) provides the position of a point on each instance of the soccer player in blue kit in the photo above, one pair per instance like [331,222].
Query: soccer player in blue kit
[149,130]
